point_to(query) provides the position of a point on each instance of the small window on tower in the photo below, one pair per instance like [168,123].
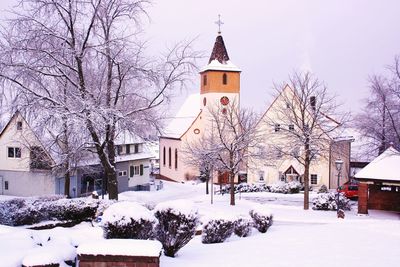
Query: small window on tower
[224,78]
[205,79]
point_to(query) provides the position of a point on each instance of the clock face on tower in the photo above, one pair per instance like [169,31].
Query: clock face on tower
[224,100]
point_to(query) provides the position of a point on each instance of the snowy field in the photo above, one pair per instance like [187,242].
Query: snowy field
[297,237]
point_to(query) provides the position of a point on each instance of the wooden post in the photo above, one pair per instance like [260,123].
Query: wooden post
[363,198]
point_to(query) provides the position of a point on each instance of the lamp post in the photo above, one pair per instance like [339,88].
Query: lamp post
[339,165]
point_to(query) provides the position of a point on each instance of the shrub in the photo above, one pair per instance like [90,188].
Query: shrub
[262,218]
[323,189]
[327,201]
[128,220]
[217,230]
[177,222]
[242,227]
[245,188]
[28,211]
[286,188]
[72,209]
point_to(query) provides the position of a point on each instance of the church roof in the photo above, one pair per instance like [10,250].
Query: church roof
[184,118]
[219,59]
[219,51]
[384,167]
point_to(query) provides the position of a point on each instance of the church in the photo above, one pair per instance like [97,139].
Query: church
[219,86]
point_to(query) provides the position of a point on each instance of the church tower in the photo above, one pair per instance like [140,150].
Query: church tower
[220,80]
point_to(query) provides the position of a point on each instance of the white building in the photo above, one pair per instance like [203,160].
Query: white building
[25,165]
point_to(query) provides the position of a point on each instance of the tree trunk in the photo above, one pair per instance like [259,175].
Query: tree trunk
[232,182]
[207,184]
[112,183]
[67,183]
[307,175]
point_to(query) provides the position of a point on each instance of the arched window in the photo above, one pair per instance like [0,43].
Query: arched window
[164,161]
[169,157]
[224,79]
[176,158]
[205,79]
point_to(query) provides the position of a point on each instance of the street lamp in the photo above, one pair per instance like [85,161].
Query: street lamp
[339,165]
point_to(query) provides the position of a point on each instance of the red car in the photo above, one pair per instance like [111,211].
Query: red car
[349,190]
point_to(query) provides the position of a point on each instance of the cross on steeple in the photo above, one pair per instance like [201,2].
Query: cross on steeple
[219,23]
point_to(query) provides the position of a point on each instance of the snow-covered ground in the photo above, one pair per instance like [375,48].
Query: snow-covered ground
[297,237]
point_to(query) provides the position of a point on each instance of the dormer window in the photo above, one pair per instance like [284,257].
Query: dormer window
[205,79]
[128,149]
[224,79]
[19,125]
[136,148]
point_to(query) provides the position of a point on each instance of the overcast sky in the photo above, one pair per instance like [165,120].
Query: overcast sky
[341,41]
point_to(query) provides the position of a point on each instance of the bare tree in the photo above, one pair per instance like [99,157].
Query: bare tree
[306,117]
[379,121]
[94,49]
[228,144]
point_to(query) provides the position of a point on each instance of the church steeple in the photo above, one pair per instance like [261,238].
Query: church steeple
[219,51]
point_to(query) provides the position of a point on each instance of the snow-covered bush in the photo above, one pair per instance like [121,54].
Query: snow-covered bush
[28,211]
[262,217]
[245,188]
[217,229]
[19,211]
[327,201]
[128,220]
[242,227]
[323,189]
[286,188]
[76,209]
[177,222]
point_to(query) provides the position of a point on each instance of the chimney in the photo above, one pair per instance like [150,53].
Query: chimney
[312,102]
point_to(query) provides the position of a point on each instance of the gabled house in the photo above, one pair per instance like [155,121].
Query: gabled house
[25,165]
[132,163]
[278,166]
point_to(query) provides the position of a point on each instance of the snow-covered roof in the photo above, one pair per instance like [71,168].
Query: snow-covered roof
[123,247]
[184,118]
[216,65]
[125,137]
[384,167]
[136,156]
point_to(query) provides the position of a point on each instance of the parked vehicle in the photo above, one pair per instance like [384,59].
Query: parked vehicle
[349,190]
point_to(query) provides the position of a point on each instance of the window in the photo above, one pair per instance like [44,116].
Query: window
[314,179]
[5,185]
[277,127]
[39,159]
[169,157]
[119,150]
[122,173]
[164,156]
[128,149]
[205,79]
[224,79]
[291,127]
[135,170]
[261,176]
[19,125]
[176,158]
[14,152]
[136,148]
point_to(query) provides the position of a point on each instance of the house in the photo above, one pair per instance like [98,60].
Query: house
[379,186]
[25,165]
[132,163]
[278,166]
[219,86]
